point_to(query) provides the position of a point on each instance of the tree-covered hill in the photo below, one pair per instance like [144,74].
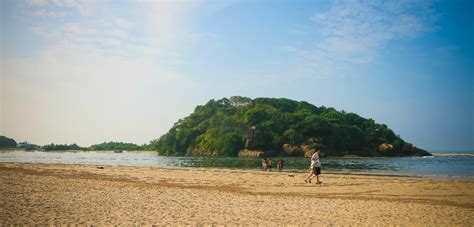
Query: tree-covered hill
[278,127]
[6,142]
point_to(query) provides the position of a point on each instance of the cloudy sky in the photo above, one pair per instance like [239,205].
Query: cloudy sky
[91,71]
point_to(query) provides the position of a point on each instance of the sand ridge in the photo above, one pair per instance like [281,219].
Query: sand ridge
[83,194]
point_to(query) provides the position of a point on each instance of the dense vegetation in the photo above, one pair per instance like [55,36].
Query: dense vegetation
[110,146]
[61,147]
[221,127]
[6,142]
[105,146]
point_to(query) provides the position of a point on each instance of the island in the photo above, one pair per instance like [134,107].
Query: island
[261,127]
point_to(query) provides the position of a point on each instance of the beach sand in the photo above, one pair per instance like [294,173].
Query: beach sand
[84,194]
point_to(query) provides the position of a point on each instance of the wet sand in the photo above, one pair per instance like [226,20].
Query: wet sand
[84,194]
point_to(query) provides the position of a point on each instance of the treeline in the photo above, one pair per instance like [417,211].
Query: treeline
[62,147]
[105,146]
[6,142]
[9,143]
[221,127]
[118,146]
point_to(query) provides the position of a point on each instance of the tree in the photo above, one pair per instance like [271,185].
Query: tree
[292,136]
[6,142]
[239,101]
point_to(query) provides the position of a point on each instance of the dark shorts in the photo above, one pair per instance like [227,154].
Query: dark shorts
[317,170]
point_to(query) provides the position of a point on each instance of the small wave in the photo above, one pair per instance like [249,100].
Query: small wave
[454,154]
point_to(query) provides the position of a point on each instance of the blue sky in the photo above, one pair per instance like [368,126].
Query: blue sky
[94,71]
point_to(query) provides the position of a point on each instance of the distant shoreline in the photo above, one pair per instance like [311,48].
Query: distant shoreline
[76,151]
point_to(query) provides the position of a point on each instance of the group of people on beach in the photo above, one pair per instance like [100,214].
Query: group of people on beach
[268,164]
[314,168]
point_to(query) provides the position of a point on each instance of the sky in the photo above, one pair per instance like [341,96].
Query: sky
[97,70]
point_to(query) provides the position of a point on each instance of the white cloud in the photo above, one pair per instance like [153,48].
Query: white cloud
[44,13]
[353,32]
[66,3]
[124,23]
[168,21]
[100,76]
[159,28]
[36,2]
[77,29]
[78,94]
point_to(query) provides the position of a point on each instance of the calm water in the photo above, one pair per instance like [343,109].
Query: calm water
[446,165]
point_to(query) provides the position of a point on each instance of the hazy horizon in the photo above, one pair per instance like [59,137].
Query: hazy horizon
[88,72]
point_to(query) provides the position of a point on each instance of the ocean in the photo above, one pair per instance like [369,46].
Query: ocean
[440,165]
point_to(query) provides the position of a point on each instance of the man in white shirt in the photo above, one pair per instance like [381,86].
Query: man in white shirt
[315,168]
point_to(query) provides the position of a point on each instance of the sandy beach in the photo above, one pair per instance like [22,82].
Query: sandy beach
[84,194]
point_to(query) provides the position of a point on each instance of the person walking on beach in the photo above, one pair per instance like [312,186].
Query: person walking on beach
[270,164]
[315,168]
[264,164]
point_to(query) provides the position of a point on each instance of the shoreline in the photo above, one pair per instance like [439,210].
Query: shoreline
[256,170]
[84,194]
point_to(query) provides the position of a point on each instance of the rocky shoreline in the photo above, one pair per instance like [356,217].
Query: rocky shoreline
[384,150]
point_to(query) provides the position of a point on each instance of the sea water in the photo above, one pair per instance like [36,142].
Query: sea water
[441,164]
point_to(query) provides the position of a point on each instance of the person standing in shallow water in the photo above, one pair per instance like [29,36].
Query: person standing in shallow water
[264,164]
[280,164]
[314,168]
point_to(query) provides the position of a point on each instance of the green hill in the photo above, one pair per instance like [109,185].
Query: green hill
[6,142]
[278,127]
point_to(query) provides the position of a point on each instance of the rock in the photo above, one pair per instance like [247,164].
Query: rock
[410,150]
[407,147]
[289,149]
[298,151]
[420,152]
[253,138]
[308,151]
[306,148]
[251,153]
[308,154]
[203,152]
[384,147]
[293,150]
